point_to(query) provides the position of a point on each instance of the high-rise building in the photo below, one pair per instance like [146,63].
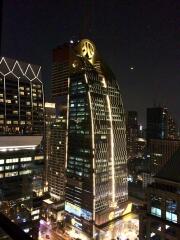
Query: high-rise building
[96,160]
[55,155]
[161,220]
[60,73]
[160,124]
[172,128]
[50,117]
[162,141]
[56,160]
[21,131]
[132,131]
[159,152]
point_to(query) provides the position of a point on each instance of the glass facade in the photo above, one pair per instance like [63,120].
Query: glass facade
[96,152]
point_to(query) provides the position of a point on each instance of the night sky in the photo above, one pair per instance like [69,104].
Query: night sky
[139,34]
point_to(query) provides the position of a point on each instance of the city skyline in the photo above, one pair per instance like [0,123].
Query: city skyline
[89,137]
[137,39]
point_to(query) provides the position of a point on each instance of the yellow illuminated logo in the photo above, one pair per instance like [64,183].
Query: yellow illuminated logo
[88,50]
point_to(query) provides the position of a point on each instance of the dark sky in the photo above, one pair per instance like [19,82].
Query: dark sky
[142,34]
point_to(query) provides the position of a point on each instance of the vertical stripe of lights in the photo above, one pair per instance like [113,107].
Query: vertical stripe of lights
[93,147]
[112,143]
[67,124]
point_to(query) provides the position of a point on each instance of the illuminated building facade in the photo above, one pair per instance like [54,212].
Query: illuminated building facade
[21,131]
[161,220]
[56,159]
[96,160]
[50,116]
[56,171]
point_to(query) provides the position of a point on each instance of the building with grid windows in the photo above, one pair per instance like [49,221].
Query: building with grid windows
[21,131]
[161,221]
[96,158]
[56,160]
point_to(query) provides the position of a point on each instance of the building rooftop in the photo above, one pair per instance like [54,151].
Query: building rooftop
[10,231]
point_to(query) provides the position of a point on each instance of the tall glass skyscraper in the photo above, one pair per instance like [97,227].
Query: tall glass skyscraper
[96,159]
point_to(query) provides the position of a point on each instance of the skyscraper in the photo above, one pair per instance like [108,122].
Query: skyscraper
[160,124]
[132,133]
[96,160]
[160,152]
[50,118]
[56,160]
[161,137]
[21,131]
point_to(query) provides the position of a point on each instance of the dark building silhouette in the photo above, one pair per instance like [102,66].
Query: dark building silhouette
[162,141]
[132,131]
[160,152]
[160,124]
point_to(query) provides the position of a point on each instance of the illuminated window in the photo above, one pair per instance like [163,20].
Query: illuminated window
[1,168]
[171,211]
[25,172]
[155,205]
[26,159]
[11,174]
[11,167]
[12,160]
[1,161]
[35,218]
[15,112]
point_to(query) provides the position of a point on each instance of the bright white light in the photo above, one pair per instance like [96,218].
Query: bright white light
[15,148]
[42,222]
[71,41]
